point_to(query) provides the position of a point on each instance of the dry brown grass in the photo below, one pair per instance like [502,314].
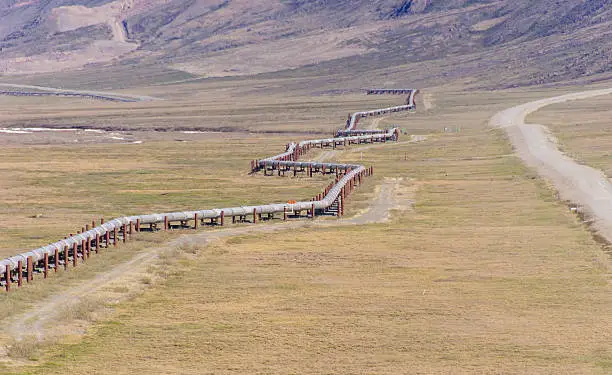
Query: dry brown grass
[69,186]
[489,273]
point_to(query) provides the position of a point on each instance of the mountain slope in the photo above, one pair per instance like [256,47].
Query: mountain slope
[479,43]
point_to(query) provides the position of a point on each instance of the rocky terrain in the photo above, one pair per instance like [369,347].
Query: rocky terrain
[474,43]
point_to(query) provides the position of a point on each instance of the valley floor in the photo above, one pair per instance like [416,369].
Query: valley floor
[480,267]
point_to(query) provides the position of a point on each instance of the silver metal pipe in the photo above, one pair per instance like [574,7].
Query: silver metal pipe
[351,170]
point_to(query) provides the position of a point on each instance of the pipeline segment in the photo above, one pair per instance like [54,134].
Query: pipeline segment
[351,174]
[69,94]
[351,123]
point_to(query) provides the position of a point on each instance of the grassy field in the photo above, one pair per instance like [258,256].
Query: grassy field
[50,191]
[226,106]
[488,272]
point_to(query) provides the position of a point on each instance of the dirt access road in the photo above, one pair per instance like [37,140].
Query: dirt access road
[580,184]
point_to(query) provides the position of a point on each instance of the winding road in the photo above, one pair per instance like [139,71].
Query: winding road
[580,184]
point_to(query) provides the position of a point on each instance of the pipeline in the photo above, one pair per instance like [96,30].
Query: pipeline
[348,177]
[353,119]
[69,94]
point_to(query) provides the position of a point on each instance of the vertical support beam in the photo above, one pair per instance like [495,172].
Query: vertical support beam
[83,250]
[74,254]
[93,224]
[106,239]
[131,228]
[166,224]
[97,242]
[46,260]
[137,225]
[56,255]
[312,211]
[222,218]
[30,270]
[7,276]
[19,273]
[254,216]
[115,237]
[233,219]
[285,213]
[195,221]
[65,257]
[124,230]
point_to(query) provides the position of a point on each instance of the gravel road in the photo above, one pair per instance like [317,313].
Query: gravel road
[580,184]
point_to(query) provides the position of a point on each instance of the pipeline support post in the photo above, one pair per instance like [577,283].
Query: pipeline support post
[30,270]
[66,257]
[56,258]
[19,273]
[46,265]
[74,254]
[7,277]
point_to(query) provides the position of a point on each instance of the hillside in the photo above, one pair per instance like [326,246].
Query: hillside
[434,42]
